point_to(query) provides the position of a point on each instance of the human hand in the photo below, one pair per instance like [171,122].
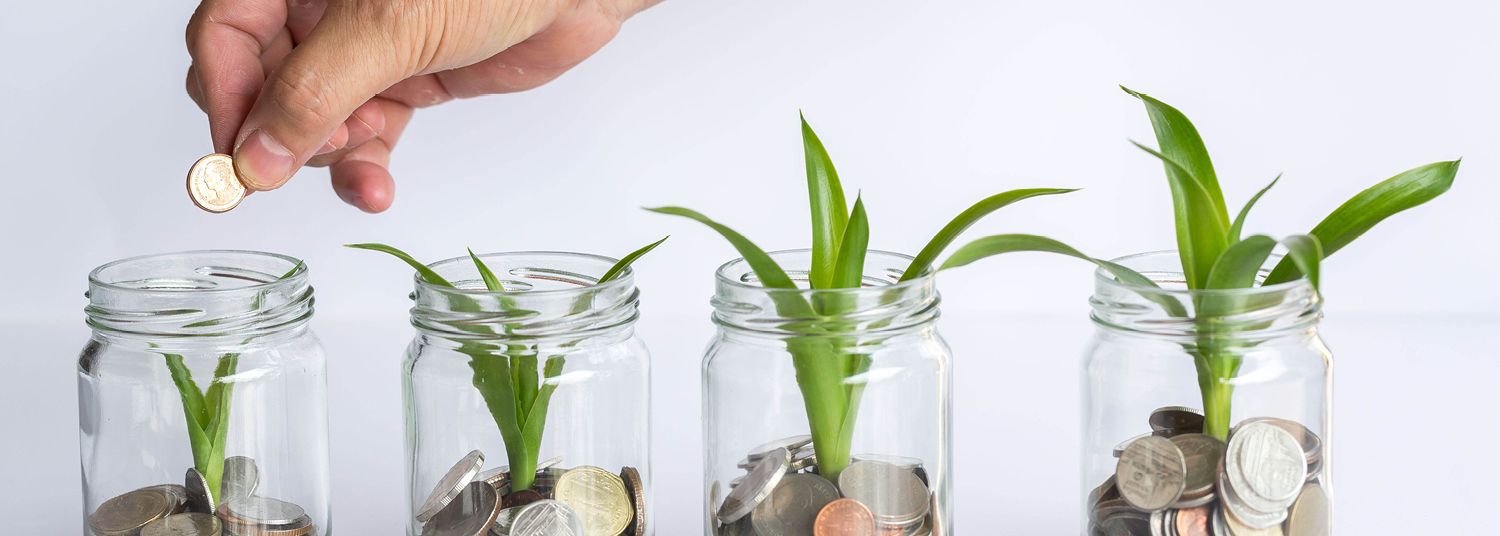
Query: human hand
[287,83]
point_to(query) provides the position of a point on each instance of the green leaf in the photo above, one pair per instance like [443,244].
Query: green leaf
[1239,266]
[192,397]
[1180,142]
[1239,221]
[619,267]
[1362,212]
[1306,252]
[924,260]
[849,272]
[490,281]
[771,275]
[825,197]
[426,273]
[1201,234]
[990,246]
[1241,263]
[289,273]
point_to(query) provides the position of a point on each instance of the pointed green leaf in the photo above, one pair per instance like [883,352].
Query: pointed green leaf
[849,271]
[426,273]
[829,209]
[1241,263]
[619,267]
[1239,221]
[1306,252]
[1361,212]
[1180,142]
[771,275]
[1201,234]
[192,397]
[990,246]
[945,237]
[490,281]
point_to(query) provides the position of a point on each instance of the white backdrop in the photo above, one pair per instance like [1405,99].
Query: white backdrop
[924,106]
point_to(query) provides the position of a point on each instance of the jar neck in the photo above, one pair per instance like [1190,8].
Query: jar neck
[1172,311]
[549,296]
[883,306]
[200,298]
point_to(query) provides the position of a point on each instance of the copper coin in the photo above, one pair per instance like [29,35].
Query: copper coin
[213,185]
[1193,521]
[637,489]
[521,498]
[844,517]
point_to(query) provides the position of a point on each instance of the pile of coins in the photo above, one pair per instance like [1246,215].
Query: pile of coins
[191,509]
[1176,481]
[782,494]
[581,501]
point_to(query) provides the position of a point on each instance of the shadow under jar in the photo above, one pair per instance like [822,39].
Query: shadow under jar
[201,398]
[1205,411]
[527,411]
[826,408]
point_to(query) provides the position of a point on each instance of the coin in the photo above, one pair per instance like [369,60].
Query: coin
[935,518]
[599,498]
[791,444]
[1312,445]
[1265,466]
[756,486]
[504,520]
[471,513]
[1120,448]
[637,489]
[200,499]
[1237,527]
[213,185]
[803,460]
[520,498]
[127,513]
[1202,454]
[176,494]
[451,484]
[1151,473]
[1237,509]
[188,524]
[713,504]
[1193,521]
[1176,419]
[904,462]
[241,476]
[893,494]
[259,510]
[793,505]
[844,517]
[547,518]
[1309,516]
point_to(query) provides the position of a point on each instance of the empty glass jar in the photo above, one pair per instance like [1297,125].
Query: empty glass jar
[528,408]
[1205,410]
[826,407]
[201,397]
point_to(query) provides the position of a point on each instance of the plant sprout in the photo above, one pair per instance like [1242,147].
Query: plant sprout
[506,375]
[825,353]
[207,412]
[1214,256]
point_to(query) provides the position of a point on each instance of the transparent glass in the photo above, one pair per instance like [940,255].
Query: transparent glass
[1205,410]
[547,381]
[813,395]
[202,391]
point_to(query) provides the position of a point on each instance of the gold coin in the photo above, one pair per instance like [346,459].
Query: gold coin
[598,496]
[213,185]
[127,513]
[637,490]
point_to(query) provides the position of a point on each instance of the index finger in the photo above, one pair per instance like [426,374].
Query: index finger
[226,39]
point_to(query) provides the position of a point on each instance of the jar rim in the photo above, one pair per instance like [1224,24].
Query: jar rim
[97,280]
[625,278]
[1104,278]
[730,276]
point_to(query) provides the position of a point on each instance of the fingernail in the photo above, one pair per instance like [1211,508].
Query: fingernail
[263,162]
[327,147]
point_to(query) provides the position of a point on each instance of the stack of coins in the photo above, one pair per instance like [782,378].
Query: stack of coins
[578,501]
[191,509]
[1176,481]
[783,494]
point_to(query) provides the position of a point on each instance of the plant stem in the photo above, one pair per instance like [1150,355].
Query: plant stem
[823,366]
[1217,367]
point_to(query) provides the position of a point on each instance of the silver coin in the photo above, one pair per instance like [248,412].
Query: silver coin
[1151,474]
[757,485]
[1120,448]
[1265,466]
[263,510]
[1110,508]
[200,499]
[241,477]
[1241,517]
[904,462]
[793,505]
[176,495]
[496,478]
[1202,454]
[1176,419]
[548,463]
[1237,526]
[187,524]
[504,520]
[471,513]
[1312,445]
[803,460]
[1160,520]
[895,495]
[451,484]
[1310,515]
[791,444]
[547,518]
[713,504]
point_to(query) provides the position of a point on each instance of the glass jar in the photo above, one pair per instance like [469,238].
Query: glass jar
[202,392]
[827,407]
[1205,409]
[530,405]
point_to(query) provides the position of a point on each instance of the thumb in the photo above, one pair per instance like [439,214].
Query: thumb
[341,65]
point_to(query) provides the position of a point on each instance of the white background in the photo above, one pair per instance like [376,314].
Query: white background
[925,107]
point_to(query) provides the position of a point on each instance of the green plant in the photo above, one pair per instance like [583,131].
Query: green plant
[825,352]
[1214,256]
[207,412]
[505,364]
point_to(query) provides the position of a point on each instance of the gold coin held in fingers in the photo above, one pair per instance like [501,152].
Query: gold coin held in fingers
[213,185]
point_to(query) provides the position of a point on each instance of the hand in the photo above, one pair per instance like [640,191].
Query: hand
[287,83]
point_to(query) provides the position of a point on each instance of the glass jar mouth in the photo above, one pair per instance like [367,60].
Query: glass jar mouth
[883,304]
[548,294]
[200,294]
[737,274]
[522,272]
[1172,282]
[1172,310]
[207,273]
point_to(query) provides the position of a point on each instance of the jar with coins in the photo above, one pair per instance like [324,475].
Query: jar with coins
[1206,412]
[826,412]
[527,409]
[201,398]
